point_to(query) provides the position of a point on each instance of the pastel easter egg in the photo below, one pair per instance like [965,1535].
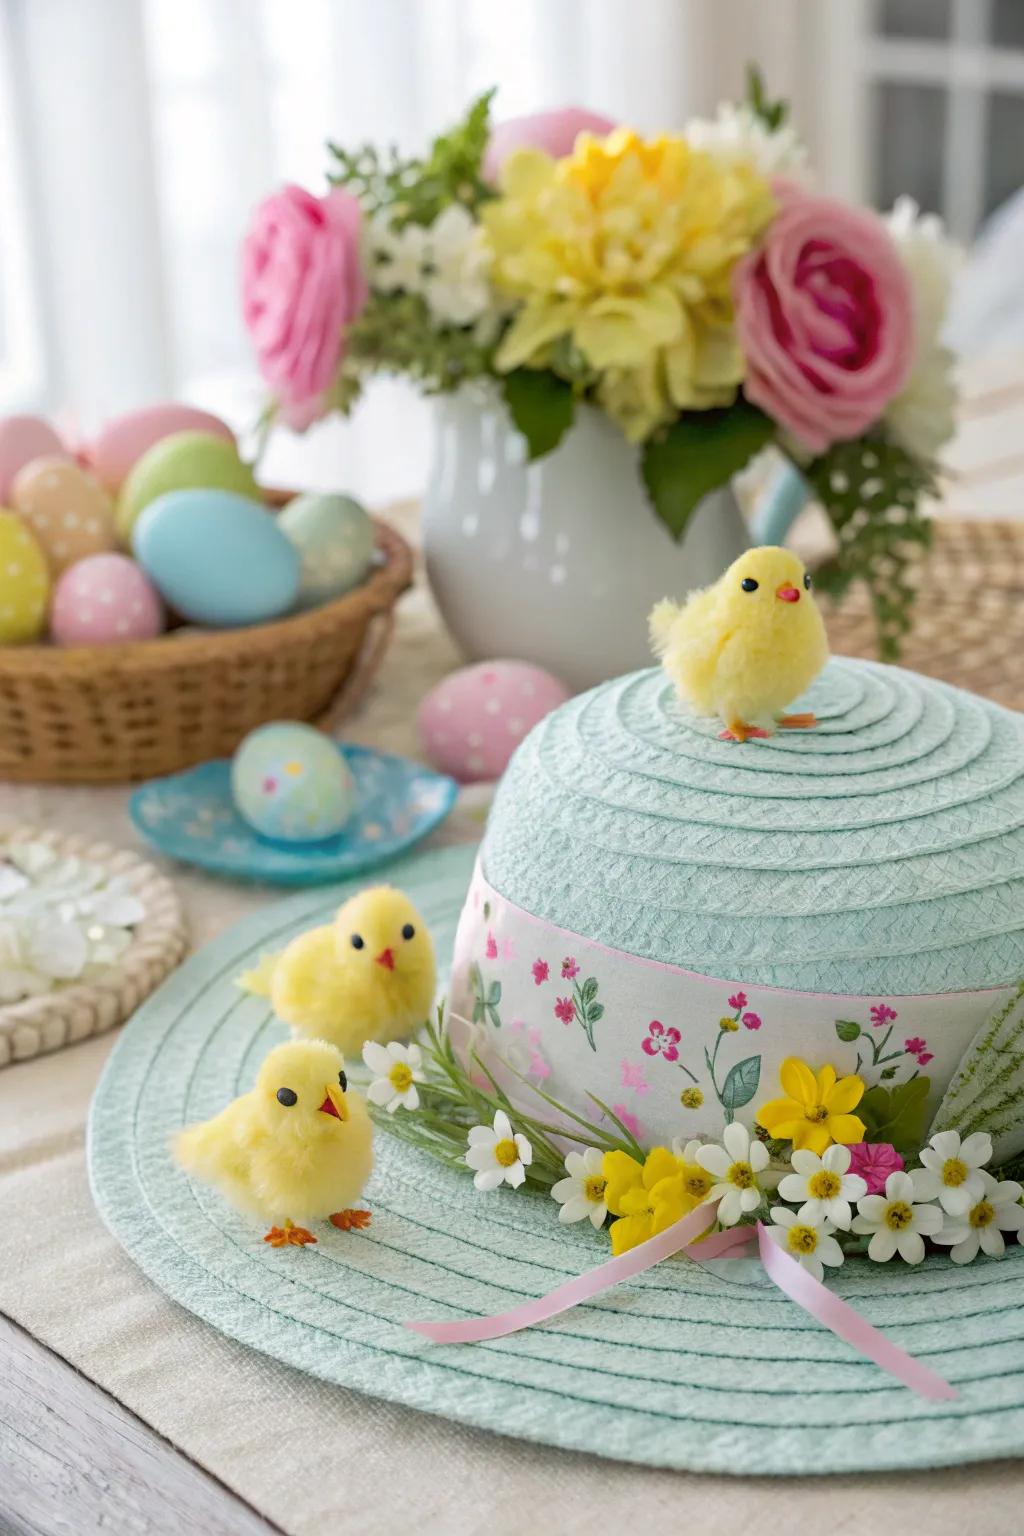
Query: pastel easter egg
[23,438]
[217,558]
[291,783]
[184,461]
[69,512]
[334,539]
[24,582]
[473,720]
[121,442]
[105,600]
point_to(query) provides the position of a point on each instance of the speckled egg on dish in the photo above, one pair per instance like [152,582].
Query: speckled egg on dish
[66,509]
[105,600]
[291,783]
[24,582]
[473,720]
[334,539]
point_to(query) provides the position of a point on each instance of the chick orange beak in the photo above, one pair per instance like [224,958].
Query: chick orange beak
[386,958]
[787,594]
[334,1104]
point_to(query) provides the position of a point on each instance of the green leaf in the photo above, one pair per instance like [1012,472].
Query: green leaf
[772,113]
[595,1012]
[741,1084]
[589,989]
[542,407]
[494,992]
[697,454]
[847,1030]
[888,1074]
[897,1114]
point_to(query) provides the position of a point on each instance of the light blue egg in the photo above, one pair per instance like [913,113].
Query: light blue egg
[334,539]
[291,783]
[217,558]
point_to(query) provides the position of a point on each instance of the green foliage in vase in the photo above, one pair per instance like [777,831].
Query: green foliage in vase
[772,113]
[872,491]
[697,454]
[396,334]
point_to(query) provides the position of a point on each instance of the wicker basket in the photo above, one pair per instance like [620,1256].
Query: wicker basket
[147,708]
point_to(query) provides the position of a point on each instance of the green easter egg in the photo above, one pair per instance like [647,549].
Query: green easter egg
[334,539]
[185,461]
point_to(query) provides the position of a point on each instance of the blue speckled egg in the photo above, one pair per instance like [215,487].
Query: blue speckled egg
[291,783]
[334,539]
[217,557]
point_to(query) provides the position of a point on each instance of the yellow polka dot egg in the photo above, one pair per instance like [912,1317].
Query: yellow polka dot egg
[24,583]
[291,783]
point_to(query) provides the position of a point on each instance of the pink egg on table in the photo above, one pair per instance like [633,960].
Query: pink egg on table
[473,720]
[124,439]
[23,438]
[105,600]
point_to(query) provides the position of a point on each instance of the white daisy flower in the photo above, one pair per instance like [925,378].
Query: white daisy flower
[824,1185]
[897,1221]
[735,1165]
[396,1070]
[582,1193]
[457,288]
[809,1240]
[397,256]
[953,1170]
[737,135]
[498,1154]
[982,1225]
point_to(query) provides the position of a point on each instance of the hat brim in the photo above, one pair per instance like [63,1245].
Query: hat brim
[684,1367]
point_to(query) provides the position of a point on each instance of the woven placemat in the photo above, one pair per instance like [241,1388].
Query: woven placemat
[968,624]
[86,1008]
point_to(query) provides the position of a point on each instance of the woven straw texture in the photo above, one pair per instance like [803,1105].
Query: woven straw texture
[681,1368]
[87,1008]
[968,623]
[148,708]
[882,853]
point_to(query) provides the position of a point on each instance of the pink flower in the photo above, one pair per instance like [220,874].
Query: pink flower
[508,949]
[925,1057]
[661,1041]
[540,971]
[492,947]
[633,1077]
[553,132]
[631,1122]
[569,968]
[302,284]
[823,315]
[881,1014]
[565,1009]
[530,1038]
[874,1161]
[738,1001]
[914,1045]
[752,1020]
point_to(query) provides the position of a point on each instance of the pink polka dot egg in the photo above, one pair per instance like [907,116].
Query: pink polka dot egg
[105,600]
[473,720]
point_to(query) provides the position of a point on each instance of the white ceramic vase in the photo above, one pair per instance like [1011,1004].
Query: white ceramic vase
[557,562]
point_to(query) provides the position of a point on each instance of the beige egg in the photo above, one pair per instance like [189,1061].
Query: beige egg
[67,510]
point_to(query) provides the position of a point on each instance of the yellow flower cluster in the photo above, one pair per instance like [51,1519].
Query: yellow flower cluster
[625,249]
[647,1197]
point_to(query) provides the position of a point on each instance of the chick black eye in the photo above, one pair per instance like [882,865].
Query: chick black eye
[807,582]
[358,942]
[343,1080]
[287,1097]
[408,932]
[749,584]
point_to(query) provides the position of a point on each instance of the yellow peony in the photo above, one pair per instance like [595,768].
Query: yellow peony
[625,249]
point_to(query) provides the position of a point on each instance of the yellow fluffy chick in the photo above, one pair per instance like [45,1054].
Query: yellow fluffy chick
[746,647]
[368,975]
[297,1148]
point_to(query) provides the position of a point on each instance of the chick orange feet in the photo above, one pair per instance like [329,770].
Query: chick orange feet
[289,1236]
[798,722]
[351,1220]
[738,731]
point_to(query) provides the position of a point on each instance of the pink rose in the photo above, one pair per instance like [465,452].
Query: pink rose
[874,1161]
[823,314]
[554,132]
[302,284]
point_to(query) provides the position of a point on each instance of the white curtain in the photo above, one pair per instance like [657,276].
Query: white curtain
[136,135]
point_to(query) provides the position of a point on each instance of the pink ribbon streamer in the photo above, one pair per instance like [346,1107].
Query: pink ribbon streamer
[790,1277]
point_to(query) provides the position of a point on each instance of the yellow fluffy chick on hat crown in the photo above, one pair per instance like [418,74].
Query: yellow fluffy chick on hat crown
[746,647]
